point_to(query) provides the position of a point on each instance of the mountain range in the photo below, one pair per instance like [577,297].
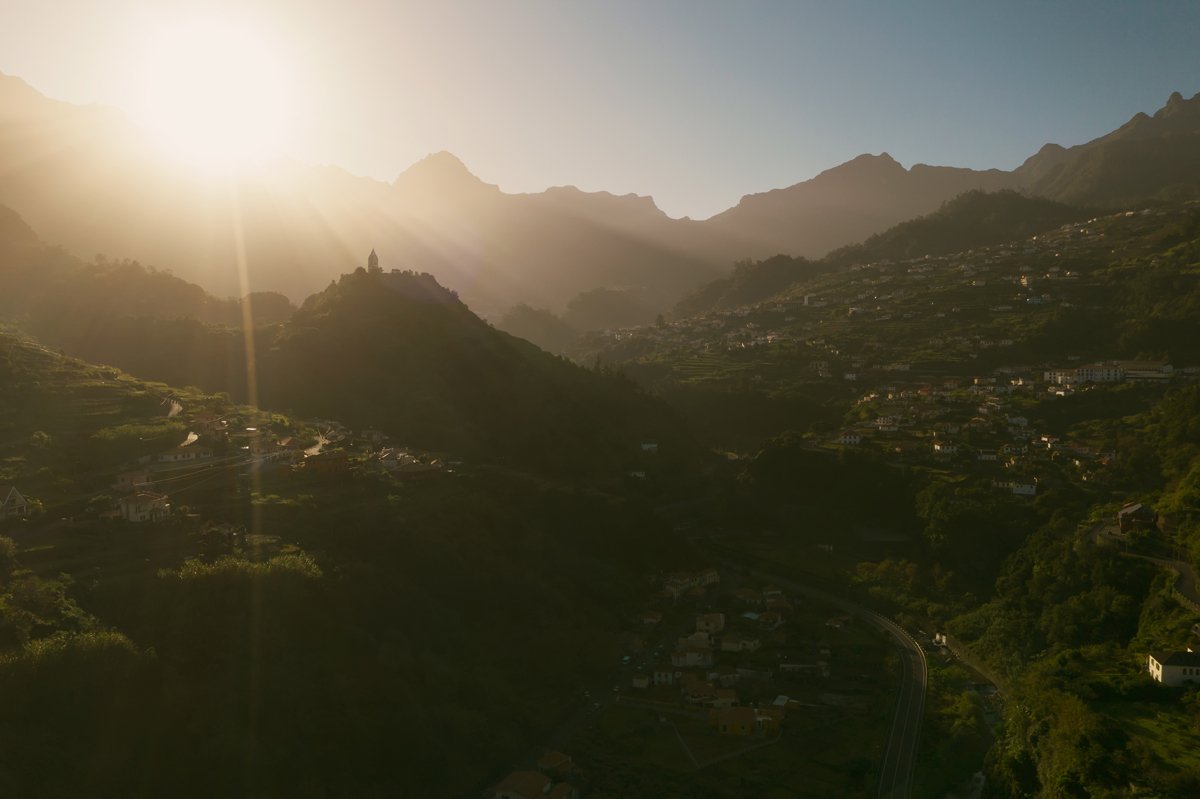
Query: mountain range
[85,177]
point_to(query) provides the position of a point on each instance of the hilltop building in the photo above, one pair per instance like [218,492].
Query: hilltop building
[373,264]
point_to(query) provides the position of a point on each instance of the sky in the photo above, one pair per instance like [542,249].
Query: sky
[695,103]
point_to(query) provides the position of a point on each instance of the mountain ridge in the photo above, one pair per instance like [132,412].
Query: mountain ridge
[302,225]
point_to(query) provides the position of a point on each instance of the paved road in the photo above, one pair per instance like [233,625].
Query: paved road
[900,756]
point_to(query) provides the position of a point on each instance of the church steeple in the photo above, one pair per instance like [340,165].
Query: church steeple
[373,263]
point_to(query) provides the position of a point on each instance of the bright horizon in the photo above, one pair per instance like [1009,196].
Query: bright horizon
[694,104]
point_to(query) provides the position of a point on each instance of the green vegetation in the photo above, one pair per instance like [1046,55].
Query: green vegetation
[446,621]
[886,431]
[538,326]
[973,219]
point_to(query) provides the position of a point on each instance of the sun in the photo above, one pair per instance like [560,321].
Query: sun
[214,93]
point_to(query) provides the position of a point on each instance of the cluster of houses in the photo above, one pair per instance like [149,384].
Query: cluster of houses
[970,425]
[999,280]
[692,665]
[1109,372]
[140,499]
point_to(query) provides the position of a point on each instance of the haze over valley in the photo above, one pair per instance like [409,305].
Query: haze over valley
[570,401]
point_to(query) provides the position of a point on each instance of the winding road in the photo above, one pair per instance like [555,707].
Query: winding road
[900,755]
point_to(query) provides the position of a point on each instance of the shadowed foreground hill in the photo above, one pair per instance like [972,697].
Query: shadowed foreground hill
[407,641]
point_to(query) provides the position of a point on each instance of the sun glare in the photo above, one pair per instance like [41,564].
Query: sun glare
[213,93]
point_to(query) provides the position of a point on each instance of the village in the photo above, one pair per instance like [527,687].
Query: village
[717,668]
[238,443]
[931,354]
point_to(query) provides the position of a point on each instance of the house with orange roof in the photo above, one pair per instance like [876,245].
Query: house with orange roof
[523,785]
[699,692]
[726,697]
[563,790]
[552,762]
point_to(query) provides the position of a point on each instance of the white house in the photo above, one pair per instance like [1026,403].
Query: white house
[1100,373]
[12,504]
[144,506]
[1021,488]
[1174,668]
[849,439]
[739,643]
[1025,488]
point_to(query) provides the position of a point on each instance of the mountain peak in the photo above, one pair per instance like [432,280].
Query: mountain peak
[440,171]
[1178,107]
[866,166]
[442,160]
[883,159]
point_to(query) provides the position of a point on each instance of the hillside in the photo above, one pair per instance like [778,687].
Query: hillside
[973,219]
[400,352]
[944,428]
[750,282]
[198,639]
[395,351]
[43,284]
[1148,158]
[846,204]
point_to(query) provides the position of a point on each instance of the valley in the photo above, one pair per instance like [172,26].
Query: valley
[884,483]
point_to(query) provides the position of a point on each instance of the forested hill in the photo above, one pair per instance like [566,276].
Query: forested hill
[400,352]
[971,220]
[750,282]
[395,351]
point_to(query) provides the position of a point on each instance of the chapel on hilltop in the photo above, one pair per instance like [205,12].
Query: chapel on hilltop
[373,263]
